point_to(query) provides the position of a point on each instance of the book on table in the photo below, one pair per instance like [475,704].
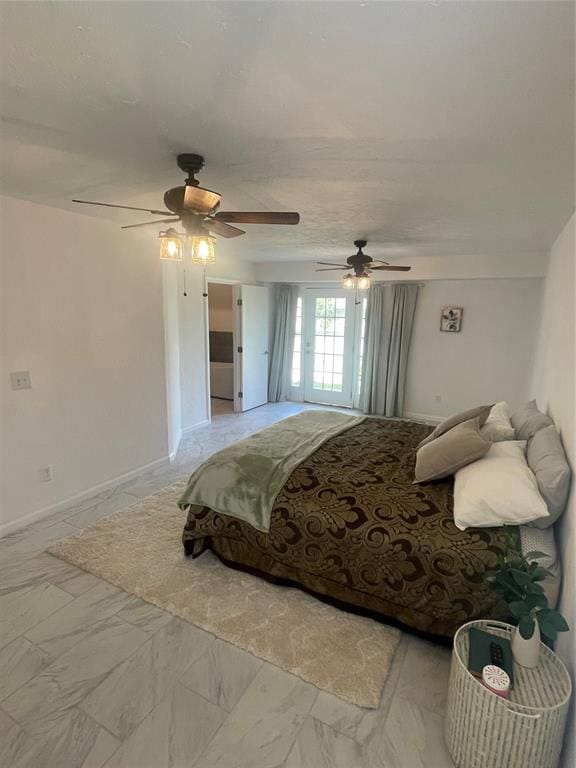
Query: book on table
[486,648]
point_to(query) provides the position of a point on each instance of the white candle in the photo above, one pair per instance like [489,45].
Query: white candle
[496,680]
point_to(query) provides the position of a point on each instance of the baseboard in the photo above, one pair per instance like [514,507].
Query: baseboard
[194,427]
[60,506]
[426,417]
[186,431]
[172,454]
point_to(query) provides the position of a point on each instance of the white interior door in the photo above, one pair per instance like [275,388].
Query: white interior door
[251,347]
[329,320]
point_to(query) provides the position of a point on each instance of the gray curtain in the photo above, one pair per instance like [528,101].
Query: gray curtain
[389,319]
[284,300]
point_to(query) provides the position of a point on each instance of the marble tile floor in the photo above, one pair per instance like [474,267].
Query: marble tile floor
[219,406]
[91,677]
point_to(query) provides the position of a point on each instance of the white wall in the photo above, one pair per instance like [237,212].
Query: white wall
[489,360]
[554,387]
[82,310]
[220,307]
[115,351]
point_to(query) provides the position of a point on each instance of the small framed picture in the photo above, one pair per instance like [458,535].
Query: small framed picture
[451,319]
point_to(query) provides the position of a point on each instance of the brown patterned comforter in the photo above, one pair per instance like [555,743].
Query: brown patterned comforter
[350,526]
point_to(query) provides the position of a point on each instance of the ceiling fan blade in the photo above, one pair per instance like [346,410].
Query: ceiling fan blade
[392,268]
[331,264]
[379,261]
[220,228]
[150,223]
[200,200]
[125,207]
[333,269]
[258,217]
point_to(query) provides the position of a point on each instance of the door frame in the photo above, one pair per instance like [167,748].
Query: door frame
[224,281]
[357,340]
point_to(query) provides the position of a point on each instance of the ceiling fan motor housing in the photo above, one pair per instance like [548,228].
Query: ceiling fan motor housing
[174,199]
[359,260]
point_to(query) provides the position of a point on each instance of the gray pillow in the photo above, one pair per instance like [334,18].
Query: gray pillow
[527,420]
[547,459]
[481,411]
[453,450]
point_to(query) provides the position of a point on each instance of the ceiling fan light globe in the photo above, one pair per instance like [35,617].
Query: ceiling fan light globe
[170,246]
[349,281]
[202,249]
[363,283]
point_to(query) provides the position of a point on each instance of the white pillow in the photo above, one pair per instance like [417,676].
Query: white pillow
[498,425]
[498,489]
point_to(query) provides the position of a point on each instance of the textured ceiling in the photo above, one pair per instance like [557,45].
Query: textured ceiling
[427,128]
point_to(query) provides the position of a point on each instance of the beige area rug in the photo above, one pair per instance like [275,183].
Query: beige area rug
[139,550]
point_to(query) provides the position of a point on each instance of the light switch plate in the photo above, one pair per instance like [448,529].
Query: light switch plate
[20,380]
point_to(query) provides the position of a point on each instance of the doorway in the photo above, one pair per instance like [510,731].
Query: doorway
[333,336]
[221,347]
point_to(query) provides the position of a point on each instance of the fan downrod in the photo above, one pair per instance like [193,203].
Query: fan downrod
[190,164]
[360,244]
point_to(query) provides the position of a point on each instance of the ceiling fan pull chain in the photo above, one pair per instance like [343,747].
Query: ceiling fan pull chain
[184,278]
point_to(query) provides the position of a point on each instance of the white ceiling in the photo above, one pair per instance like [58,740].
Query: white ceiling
[428,128]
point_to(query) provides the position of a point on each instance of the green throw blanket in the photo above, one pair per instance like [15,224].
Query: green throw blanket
[244,479]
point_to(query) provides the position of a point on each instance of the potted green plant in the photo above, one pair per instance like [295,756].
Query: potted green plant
[516,579]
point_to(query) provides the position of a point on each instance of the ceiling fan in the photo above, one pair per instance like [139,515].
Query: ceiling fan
[362,265]
[197,209]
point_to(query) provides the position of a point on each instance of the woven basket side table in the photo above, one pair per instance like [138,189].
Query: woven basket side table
[525,731]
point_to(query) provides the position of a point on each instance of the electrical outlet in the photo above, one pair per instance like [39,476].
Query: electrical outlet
[20,380]
[46,474]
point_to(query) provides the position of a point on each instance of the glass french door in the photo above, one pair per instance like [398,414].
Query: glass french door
[329,341]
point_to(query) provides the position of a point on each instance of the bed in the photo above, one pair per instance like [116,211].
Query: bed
[350,526]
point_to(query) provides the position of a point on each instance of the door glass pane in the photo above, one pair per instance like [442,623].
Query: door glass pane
[329,329]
